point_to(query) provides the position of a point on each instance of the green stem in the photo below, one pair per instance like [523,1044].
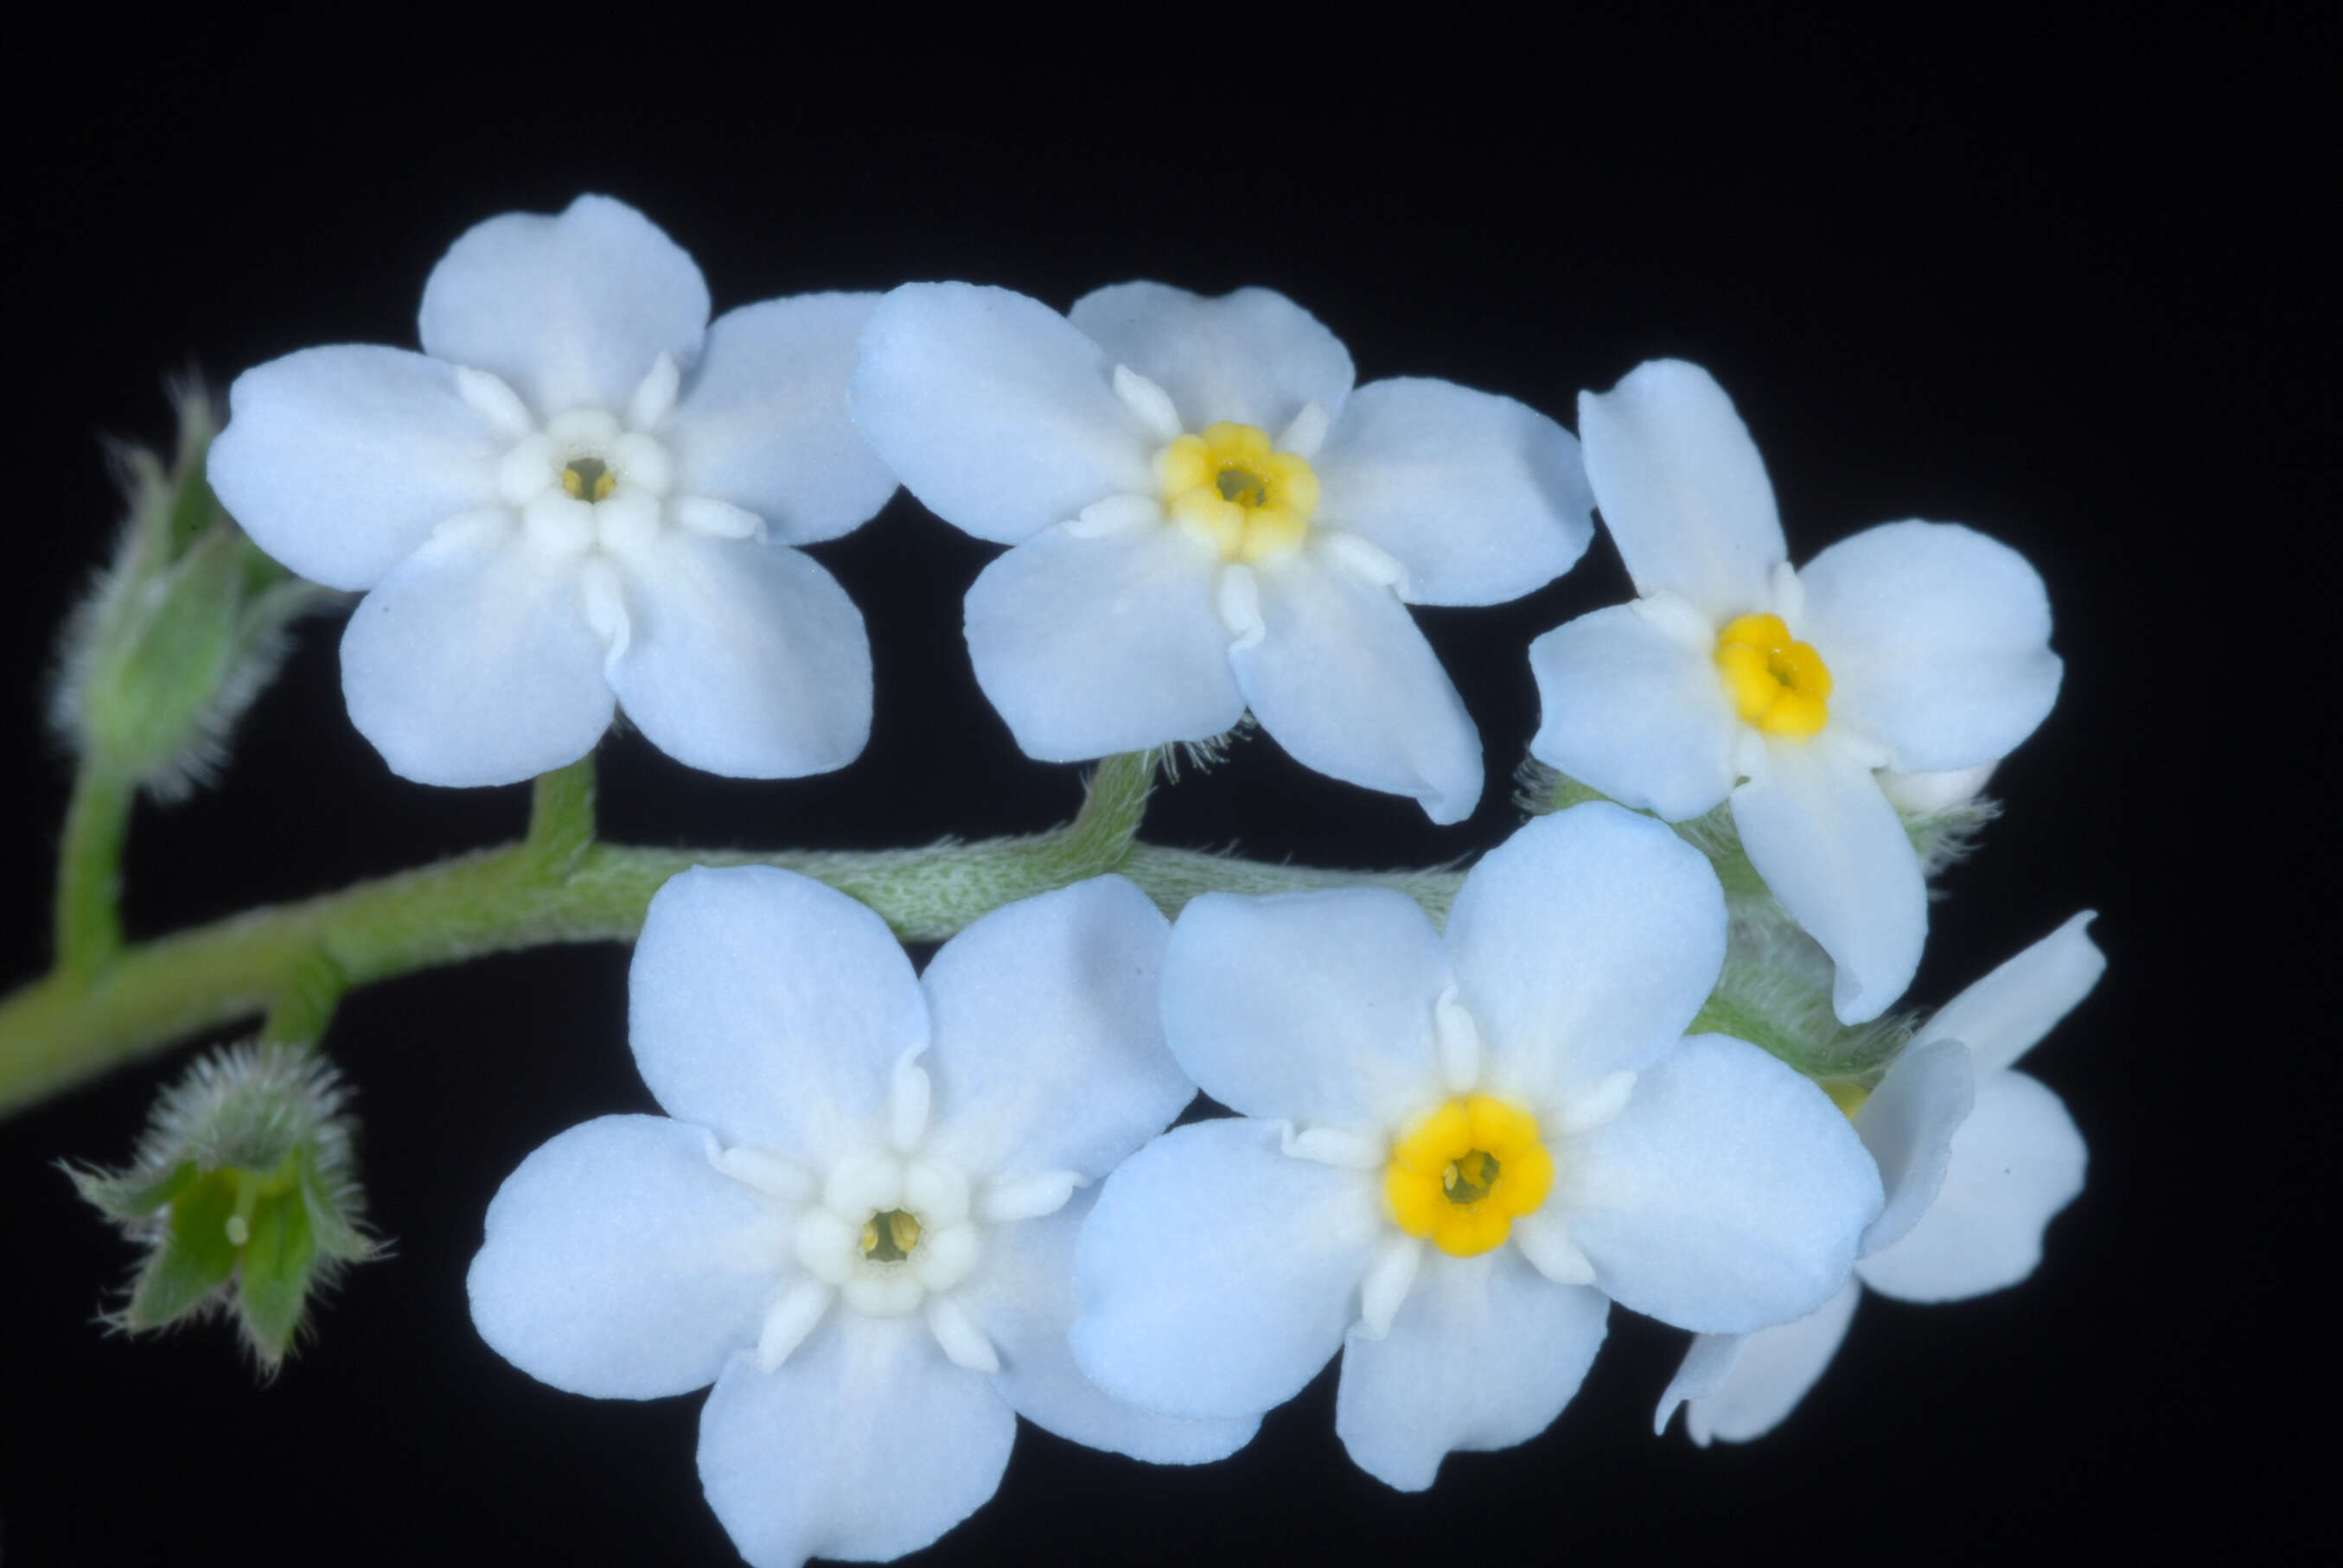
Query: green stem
[89,870]
[561,814]
[293,961]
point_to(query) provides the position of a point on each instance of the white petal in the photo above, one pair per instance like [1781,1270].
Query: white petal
[765,426]
[620,1263]
[1763,1383]
[1583,946]
[1682,488]
[1482,498]
[996,413]
[1344,682]
[570,311]
[1831,848]
[2002,1016]
[865,1444]
[472,661]
[339,462]
[1313,1007]
[746,658]
[1048,1047]
[771,1010]
[1253,356]
[1727,1197]
[2016,1162]
[1907,1123]
[1216,1275]
[1927,794]
[1093,644]
[1937,640]
[1628,706]
[1023,1299]
[1484,1354]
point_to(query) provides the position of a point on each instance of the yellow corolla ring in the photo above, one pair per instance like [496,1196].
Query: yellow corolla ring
[1466,1172]
[1777,683]
[1251,500]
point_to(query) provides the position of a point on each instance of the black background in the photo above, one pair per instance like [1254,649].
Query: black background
[2048,282]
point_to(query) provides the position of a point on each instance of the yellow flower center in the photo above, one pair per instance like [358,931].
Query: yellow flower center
[1466,1172]
[1779,685]
[588,479]
[888,1238]
[1252,501]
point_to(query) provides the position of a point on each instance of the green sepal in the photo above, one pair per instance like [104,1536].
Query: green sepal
[278,1262]
[134,1195]
[195,1257]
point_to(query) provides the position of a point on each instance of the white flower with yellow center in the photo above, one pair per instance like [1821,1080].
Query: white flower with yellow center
[580,495]
[1453,1153]
[1976,1158]
[1207,518]
[859,1225]
[1922,649]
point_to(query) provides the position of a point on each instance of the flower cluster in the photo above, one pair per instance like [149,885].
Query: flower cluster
[886,1213]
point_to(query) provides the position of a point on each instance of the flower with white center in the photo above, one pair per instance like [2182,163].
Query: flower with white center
[1916,648]
[860,1224]
[580,495]
[1976,1158]
[1206,518]
[1453,1153]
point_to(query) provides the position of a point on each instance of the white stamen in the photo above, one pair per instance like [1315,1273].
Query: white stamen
[654,395]
[768,1172]
[1236,595]
[1553,1254]
[962,1341]
[906,1104]
[494,401]
[583,432]
[1597,1106]
[1386,1284]
[1349,1148]
[526,471]
[716,520]
[1307,432]
[946,1255]
[1679,617]
[1458,1043]
[864,1182]
[1364,560]
[641,463]
[1027,1195]
[558,526]
[882,1293]
[1149,404]
[936,1192]
[628,522]
[606,608]
[788,1320]
[1114,515]
[828,1245]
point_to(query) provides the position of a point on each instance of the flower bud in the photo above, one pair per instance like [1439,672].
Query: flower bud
[181,630]
[244,1193]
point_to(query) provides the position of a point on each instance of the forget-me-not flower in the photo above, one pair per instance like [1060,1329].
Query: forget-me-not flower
[581,495]
[1206,518]
[1916,648]
[860,1224]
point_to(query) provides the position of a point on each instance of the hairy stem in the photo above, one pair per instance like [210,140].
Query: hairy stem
[89,870]
[292,961]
